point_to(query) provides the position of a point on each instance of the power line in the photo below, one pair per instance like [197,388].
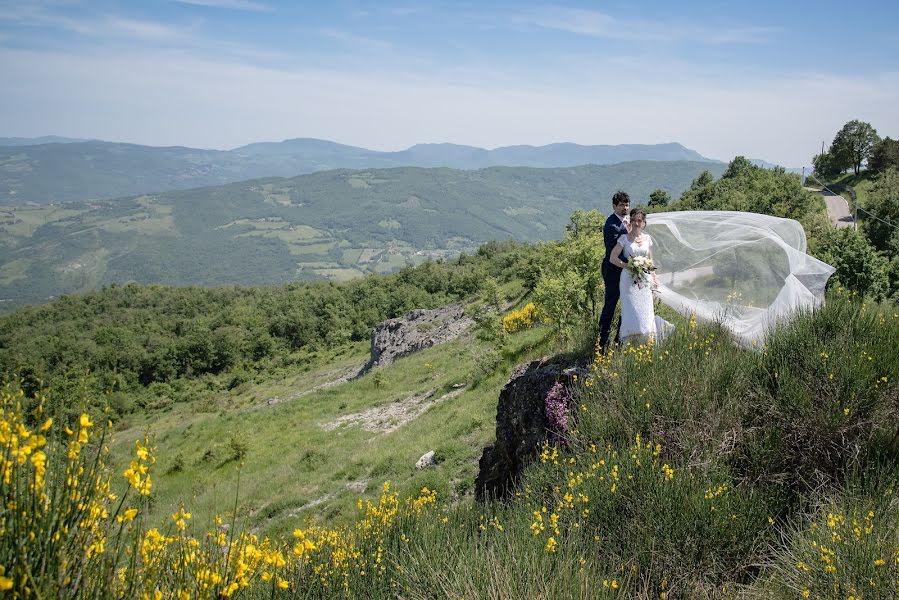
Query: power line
[876,218]
[855,203]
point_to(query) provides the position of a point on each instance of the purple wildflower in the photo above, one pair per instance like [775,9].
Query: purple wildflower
[556,405]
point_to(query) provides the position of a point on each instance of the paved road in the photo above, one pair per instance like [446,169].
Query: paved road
[837,208]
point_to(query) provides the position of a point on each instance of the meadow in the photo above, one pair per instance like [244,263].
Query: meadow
[200,443]
[691,468]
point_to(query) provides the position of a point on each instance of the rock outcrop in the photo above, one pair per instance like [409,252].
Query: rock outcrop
[521,425]
[416,330]
[427,460]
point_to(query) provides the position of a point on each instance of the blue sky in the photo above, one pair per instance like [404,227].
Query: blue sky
[764,79]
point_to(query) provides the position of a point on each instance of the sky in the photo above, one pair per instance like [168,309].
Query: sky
[764,79]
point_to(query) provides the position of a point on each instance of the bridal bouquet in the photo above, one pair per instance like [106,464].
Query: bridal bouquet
[640,267]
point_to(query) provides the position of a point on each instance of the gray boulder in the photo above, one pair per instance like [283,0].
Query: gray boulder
[414,331]
[521,425]
[426,460]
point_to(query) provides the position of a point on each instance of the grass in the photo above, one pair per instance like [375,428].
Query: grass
[29,219]
[694,469]
[861,184]
[13,270]
[317,473]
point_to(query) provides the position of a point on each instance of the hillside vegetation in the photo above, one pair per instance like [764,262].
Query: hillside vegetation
[53,170]
[871,263]
[691,468]
[688,469]
[144,345]
[334,225]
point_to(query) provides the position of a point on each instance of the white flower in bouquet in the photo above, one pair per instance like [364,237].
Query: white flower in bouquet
[640,267]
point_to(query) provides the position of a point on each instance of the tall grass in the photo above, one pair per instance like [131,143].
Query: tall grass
[694,469]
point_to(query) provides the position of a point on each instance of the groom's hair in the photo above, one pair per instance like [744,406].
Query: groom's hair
[620,197]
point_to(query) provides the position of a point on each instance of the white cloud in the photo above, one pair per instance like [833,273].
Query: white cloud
[598,24]
[103,25]
[355,41]
[162,98]
[228,4]
[149,30]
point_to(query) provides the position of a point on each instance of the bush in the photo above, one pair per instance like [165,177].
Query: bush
[238,446]
[859,267]
[523,318]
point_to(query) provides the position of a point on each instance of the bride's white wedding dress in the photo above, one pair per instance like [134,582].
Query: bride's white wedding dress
[638,320]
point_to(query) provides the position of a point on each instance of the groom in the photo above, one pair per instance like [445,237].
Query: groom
[616,226]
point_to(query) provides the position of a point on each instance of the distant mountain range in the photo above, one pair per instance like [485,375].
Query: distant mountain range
[766,165]
[45,139]
[330,225]
[53,169]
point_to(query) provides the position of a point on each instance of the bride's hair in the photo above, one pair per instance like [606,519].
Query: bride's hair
[638,211]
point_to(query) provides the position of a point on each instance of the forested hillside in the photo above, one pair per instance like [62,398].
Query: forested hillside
[333,225]
[688,468]
[53,170]
[142,341]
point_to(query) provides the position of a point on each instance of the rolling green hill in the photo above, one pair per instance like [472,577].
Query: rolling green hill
[332,225]
[40,172]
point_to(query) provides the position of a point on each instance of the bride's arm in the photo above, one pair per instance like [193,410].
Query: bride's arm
[655,282]
[615,257]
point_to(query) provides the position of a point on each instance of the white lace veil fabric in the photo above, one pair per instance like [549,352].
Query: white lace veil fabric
[746,270]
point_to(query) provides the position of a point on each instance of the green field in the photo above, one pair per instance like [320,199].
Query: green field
[302,463]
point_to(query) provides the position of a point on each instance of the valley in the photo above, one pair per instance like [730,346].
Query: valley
[331,226]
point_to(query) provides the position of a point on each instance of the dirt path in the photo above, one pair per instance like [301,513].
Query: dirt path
[344,376]
[390,417]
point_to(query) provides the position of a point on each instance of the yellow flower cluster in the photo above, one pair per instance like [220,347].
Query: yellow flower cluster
[571,504]
[60,510]
[56,494]
[524,318]
[845,554]
[137,473]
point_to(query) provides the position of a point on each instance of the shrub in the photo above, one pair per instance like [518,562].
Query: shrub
[523,318]
[238,446]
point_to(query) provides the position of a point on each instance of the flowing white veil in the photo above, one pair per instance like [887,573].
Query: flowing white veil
[746,270]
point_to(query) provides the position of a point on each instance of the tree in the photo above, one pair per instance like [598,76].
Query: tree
[584,223]
[738,166]
[885,155]
[825,166]
[883,203]
[659,197]
[561,299]
[705,178]
[859,267]
[853,144]
[581,254]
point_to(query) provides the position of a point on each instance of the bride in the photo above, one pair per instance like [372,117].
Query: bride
[638,322]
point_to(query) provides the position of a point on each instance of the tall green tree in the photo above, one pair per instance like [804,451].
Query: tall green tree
[747,187]
[561,299]
[885,155]
[705,178]
[825,166]
[883,203]
[854,144]
[582,252]
[659,197]
[740,165]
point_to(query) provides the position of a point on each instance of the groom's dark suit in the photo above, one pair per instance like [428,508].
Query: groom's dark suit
[611,276]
